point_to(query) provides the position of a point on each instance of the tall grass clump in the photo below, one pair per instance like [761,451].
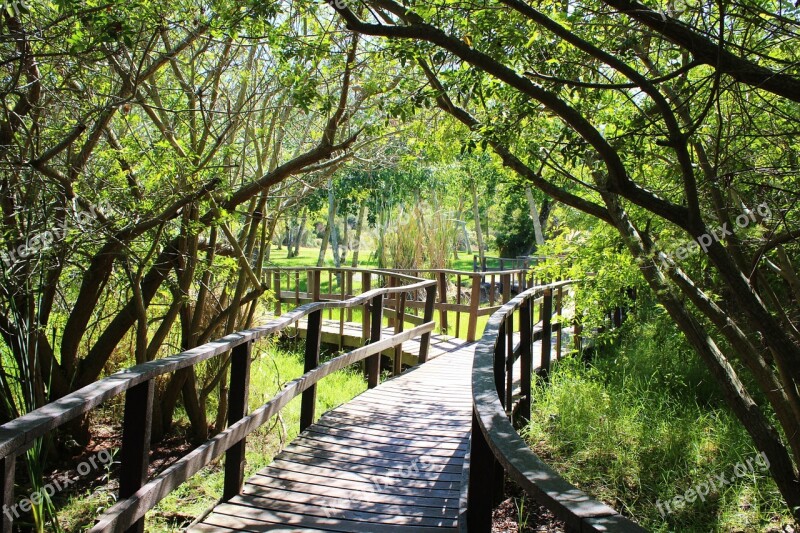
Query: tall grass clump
[641,424]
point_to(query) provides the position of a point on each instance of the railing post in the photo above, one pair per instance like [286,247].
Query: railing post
[374,361]
[526,358]
[443,299]
[391,301]
[349,291]
[8,469]
[547,331]
[500,363]
[559,309]
[276,286]
[509,362]
[238,395]
[366,286]
[474,304]
[497,478]
[399,325]
[135,454]
[313,337]
[425,341]
[505,279]
[316,293]
[480,495]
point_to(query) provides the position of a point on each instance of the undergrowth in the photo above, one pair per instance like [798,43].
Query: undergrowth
[641,424]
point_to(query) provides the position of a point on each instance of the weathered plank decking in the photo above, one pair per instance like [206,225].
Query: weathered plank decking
[389,460]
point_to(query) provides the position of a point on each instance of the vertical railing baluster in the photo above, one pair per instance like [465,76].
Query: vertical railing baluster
[474,304]
[505,281]
[135,454]
[316,284]
[374,361]
[547,331]
[559,309]
[480,495]
[8,469]
[509,362]
[500,363]
[443,299]
[349,292]
[459,298]
[238,396]
[366,286]
[526,357]
[313,338]
[399,326]
[425,342]
[276,286]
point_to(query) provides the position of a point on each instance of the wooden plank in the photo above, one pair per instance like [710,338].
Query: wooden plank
[342,508]
[342,500]
[265,486]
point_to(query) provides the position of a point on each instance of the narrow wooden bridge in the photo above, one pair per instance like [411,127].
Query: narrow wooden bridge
[428,449]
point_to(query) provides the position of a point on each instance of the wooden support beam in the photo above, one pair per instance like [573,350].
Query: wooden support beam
[474,304]
[443,299]
[135,454]
[374,361]
[547,332]
[399,325]
[313,338]
[238,396]
[425,342]
[7,470]
[526,358]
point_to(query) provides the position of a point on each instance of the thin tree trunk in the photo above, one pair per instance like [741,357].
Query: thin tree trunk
[359,224]
[323,247]
[478,231]
[301,232]
[537,224]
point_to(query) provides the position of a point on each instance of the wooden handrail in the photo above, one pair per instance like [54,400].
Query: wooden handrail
[496,449]
[126,512]
[490,282]
[137,382]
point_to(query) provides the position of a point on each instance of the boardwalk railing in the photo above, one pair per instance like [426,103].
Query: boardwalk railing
[136,494]
[465,294]
[496,449]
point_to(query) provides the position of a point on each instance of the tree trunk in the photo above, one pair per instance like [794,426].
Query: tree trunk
[359,224]
[478,231]
[537,224]
[323,247]
[301,232]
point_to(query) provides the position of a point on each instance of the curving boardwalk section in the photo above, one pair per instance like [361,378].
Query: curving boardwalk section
[390,460]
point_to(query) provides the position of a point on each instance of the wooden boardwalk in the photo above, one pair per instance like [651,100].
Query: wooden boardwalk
[389,460]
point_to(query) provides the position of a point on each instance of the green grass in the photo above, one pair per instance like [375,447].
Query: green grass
[272,367]
[643,424]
